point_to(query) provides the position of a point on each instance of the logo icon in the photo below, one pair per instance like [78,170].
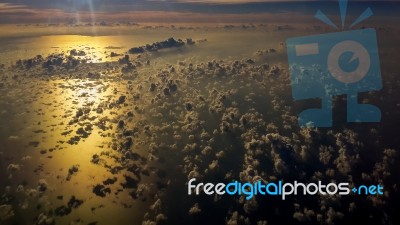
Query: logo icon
[340,63]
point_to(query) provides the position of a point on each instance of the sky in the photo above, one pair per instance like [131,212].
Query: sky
[83,11]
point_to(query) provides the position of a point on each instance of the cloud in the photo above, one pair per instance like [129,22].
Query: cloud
[8,6]
[35,11]
[6,212]
[195,209]
[59,16]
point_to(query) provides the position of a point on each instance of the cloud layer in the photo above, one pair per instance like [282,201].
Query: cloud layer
[23,11]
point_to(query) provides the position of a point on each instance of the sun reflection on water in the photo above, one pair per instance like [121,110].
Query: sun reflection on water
[52,156]
[92,49]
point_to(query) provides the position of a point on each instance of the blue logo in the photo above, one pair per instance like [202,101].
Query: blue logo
[341,63]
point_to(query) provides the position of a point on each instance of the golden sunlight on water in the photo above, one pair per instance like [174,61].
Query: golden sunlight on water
[66,119]
[93,49]
[97,49]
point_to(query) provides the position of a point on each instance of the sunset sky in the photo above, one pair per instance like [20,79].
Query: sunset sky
[80,11]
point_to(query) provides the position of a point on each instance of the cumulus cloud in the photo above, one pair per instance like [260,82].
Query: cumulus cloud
[13,167]
[195,209]
[45,220]
[6,212]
